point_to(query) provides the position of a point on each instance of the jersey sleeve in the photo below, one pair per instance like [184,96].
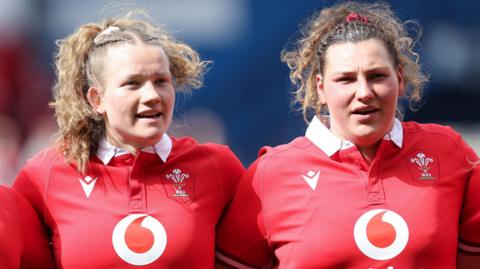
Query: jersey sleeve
[36,248]
[30,189]
[469,233]
[231,170]
[241,235]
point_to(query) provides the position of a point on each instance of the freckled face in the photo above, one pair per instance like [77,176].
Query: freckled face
[138,96]
[361,87]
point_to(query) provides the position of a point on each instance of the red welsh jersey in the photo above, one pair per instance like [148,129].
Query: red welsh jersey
[316,203]
[157,209]
[23,241]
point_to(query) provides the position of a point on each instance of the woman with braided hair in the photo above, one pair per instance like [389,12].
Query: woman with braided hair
[116,191]
[361,189]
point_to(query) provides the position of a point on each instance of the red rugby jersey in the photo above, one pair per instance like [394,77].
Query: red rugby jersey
[315,203]
[157,209]
[23,241]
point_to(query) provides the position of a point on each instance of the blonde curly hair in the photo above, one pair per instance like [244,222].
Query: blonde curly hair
[79,62]
[330,26]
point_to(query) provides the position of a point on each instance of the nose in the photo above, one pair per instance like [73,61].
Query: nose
[150,93]
[364,90]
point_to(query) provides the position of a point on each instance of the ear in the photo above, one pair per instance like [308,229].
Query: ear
[320,89]
[401,81]
[94,97]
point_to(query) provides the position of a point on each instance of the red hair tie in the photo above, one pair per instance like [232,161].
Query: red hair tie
[356,17]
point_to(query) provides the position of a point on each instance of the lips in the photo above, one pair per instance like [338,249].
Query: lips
[364,110]
[148,115]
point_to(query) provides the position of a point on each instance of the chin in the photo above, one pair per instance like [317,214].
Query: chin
[150,138]
[366,137]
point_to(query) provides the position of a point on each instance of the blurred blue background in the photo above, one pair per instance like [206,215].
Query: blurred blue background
[245,101]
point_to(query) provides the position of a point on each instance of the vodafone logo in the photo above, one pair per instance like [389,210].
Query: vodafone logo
[381,234]
[139,239]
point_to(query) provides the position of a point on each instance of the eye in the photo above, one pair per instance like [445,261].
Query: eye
[345,79]
[377,76]
[160,81]
[131,83]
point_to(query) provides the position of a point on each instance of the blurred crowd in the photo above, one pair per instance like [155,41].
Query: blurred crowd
[26,123]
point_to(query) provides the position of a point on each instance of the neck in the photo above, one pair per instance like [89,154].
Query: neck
[369,152]
[133,149]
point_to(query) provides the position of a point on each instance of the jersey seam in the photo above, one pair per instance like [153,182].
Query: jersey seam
[217,173]
[36,185]
[20,223]
[262,210]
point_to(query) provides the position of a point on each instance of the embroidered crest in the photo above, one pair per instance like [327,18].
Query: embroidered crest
[424,167]
[179,184]
[178,179]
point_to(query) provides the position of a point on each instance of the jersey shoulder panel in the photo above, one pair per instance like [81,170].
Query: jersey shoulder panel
[182,144]
[228,166]
[43,161]
[430,136]
[224,164]
[299,143]
[33,179]
[431,130]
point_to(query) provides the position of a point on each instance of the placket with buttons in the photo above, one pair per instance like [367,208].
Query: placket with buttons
[136,185]
[376,192]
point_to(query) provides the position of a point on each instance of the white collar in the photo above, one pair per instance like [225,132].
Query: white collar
[107,151]
[321,137]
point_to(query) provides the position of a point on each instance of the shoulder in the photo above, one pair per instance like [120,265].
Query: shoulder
[430,130]
[13,202]
[297,148]
[439,139]
[285,159]
[215,159]
[36,173]
[432,135]
[188,144]
[7,196]
[44,158]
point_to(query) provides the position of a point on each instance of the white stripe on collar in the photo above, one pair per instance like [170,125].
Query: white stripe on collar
[321,137]
[107,151]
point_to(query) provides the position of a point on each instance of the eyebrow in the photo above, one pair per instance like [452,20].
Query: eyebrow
[376,69]
[372,70]
[138,75]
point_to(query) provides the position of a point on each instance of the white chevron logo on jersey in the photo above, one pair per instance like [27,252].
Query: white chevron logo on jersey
[87,184]
[312,179]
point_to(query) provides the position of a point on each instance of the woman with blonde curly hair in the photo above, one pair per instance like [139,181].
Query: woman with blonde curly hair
[116,191]
[361,189]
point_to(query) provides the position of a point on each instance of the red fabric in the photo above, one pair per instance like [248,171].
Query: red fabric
[175,228]
[23,242]
[277,215]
